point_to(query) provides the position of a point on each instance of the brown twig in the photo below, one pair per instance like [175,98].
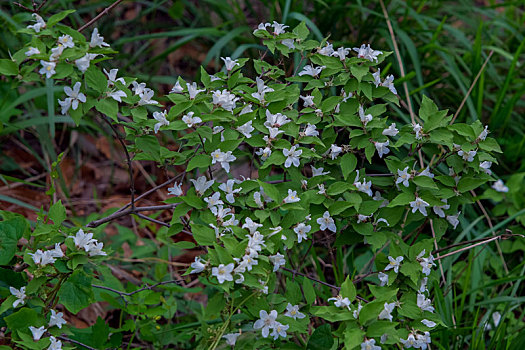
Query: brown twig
[476,242]
[129,211]
[142,216]
[471,87]
[127,294]
[105,11]
[72,341]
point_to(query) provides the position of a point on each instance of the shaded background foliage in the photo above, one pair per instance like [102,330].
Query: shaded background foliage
[443,45]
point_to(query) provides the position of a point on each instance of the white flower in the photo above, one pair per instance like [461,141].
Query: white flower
[386,313]
[161,118]
[500,186]
[228,188]
[322,190]
[293,312]
[56,52]
[264,153]
[301,230]
[362,218]
[370,344]
[190,120]
[419,204]
[394,263]
[389,83]
[48,68]
[383,338]
[310,130]
[485,167]
[326,222]
[223,272]
[335,151]
[365,187]
[266,322]
[193,91]
[391,130]
[257,199]
[20,294]
[356,312]
[292,156]
[176,190]
[246,109]
[483,135]
[383,278]
[426,264]
[453,219]
[275,120]
[84,62]
[367,52]
[112,79]
[198,265]
[341,302]
[177,88]
[246,129]
[117,95]
[365,119]
[428,323]
[382,148]
[403,177]
[229,63]
[43,258]
[231,338]
[39,25]
[341,53]
[262,26]
[37,332]
[308,100]
[417,129]
[201,185]
[426,172]
[56,252]
[56,319]
[278,28]
[75,95]
[55,344]
[439,209]
[224,159]
[289,43]
[423,287]
[423,303]
[496,318]
[66,104]
[66,41]
[292,197]
[97,39]
[279,329]
[311,70]
[410,342]
[82,240]
[318,171]
[32,51]
[224,99]
[377,77]
[261,90]
[467,156]
[146,97]
[95,249]
[214,200]
[423,340]
[326,50]
[277,260]
[382,220]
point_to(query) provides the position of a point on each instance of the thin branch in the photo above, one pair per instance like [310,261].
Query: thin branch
[479,242]
[129,211]
[472,86]
[142,216]
[127,294]
[318,281]
[105,11]
[61,337]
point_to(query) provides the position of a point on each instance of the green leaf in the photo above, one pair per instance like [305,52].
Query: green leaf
[463,130]
[57,213]
[469,183]
[321,338]
[359,71]
[199,161]
[293,292]
[301,31]
[10,233]
[428,107]
[96,80]
[150,145]
[331,313]
[425,181]
[411,269]
[271,191]
[8,67]
[490,145]
[108,107]
[348,289]
[76,293]
[401,199]
[58,17]
[22,319]
[370,311]
[203,235]
[309,291]
[348,164]
[353,337]
[338,187]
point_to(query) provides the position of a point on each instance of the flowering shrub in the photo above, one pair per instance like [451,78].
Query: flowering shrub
[329,173]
